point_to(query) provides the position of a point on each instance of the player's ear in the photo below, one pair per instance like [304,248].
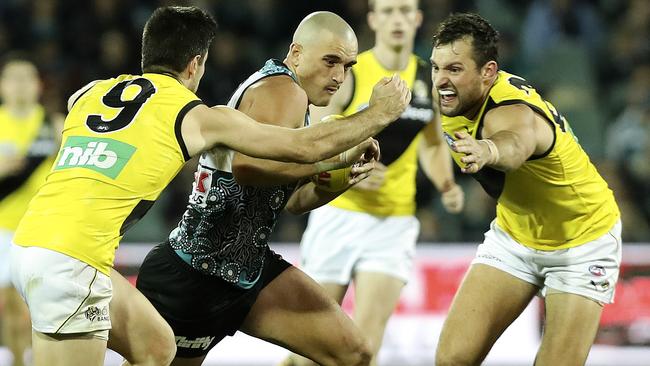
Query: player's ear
[295,51]
[372,20]
[418,18]
[194,64]
[489,70]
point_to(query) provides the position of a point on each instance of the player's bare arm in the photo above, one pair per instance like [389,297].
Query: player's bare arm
[436,163]
[511,134]
[203,127]
[284,104]
[309,197]
[277,101]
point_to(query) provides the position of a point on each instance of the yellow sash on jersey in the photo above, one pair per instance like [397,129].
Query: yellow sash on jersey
[396,196]
[17,137]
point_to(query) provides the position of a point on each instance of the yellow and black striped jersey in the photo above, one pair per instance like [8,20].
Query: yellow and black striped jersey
[121,146]
[553,201]
[30,138]
[396,196]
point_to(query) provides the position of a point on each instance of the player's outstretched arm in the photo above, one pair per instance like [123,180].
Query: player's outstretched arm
[510,137]
[204,127]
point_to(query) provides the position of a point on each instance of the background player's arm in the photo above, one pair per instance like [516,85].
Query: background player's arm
[203,127]
[512,131]
[436,163]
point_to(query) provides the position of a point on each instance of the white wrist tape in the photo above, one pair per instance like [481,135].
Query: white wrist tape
[493,150]
[331,164]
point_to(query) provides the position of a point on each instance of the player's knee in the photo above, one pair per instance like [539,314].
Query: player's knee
[164,349]
[357,353]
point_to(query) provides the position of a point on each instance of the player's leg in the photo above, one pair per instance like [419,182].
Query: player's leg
[384,267]
[569,330]
[329,252]
[579,281]
[336,292]
[496,289]
[201,309]
[294,312]
[16,326]
[376,296]
[486,303]
[139,333]
[75,349]
[68,303]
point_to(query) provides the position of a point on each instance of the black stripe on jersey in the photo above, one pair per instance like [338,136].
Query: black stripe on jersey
[399,135]
[11,183]
[177,126]
[491,180]
[396,138]
[136,214]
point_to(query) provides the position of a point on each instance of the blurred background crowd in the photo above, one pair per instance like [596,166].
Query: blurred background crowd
[590,58]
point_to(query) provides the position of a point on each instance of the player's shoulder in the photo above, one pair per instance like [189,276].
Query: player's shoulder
[510,87]
[279,88]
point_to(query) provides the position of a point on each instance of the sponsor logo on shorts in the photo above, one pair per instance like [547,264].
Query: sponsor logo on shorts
[489,257]
[201,342]
[601,286]
[93,313]
[105,156]
[597,270]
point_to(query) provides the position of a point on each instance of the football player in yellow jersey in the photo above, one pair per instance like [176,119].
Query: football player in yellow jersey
[124,139]
[27,143]
[557,230]
[368,234]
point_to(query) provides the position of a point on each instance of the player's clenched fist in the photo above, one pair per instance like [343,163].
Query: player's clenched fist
[390,97]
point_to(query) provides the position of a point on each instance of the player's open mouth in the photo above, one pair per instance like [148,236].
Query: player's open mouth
[332,89]
[397,33]
[447,96]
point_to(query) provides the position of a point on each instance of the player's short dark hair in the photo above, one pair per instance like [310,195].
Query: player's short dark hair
[485,39]
[174,35]
[15,56]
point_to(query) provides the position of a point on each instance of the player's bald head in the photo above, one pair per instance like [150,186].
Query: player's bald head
[317,25]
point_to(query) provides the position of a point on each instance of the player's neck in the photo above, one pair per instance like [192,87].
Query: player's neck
[20,110]
[391,58]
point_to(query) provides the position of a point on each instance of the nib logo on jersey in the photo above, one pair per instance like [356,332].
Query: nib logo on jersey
[105,156]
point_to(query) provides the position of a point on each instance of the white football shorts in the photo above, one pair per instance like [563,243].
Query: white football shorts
[338,243]
[64,294]
[5,244]
[590,269]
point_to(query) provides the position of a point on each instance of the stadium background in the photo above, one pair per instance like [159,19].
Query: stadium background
[590,58]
